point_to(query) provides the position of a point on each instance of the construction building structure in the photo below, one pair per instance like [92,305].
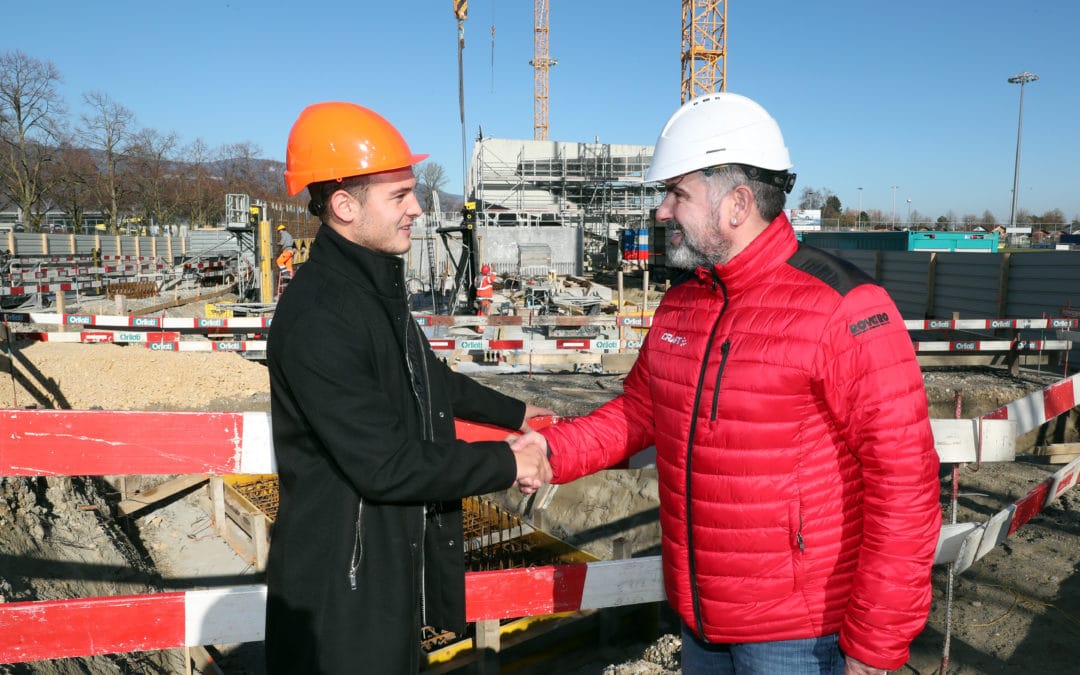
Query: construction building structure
[598,187]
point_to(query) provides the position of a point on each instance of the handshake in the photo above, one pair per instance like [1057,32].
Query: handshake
[531,453]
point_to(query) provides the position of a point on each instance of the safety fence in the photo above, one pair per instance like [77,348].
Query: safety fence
[96,274]
[76,443]
[141,330]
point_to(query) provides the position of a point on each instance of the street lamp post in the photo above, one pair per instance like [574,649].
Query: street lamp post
[1021,79]
[909,214]
[858,216]
[894,188]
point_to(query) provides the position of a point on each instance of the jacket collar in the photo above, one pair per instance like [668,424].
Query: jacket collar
[768,251]
[378,272]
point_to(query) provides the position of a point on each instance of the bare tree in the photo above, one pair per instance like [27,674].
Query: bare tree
[152,175]
[243,172]
[1054,218]
[432,176]
[108,130]
[811,198]
[31,111]
[72,179]
[200,196]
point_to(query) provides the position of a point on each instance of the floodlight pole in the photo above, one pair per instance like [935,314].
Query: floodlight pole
[1021,79]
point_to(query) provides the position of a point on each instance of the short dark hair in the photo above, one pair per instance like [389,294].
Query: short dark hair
[320,193]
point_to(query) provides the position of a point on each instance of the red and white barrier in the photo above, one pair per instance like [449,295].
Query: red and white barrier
[45,442]
[1039,407]
[531,345]
[163,342]
[993,346]
[123,321]
[103,443]
[990,324]
[34,631]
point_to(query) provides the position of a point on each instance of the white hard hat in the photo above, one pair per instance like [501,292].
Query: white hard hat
[717,129]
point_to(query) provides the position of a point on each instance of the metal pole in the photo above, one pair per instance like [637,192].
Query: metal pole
[1021,79]
[858,216]
[894,188]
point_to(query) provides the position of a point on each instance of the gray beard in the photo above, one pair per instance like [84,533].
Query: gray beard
[687,256]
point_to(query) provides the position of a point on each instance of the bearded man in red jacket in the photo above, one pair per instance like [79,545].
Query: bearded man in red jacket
[799,493]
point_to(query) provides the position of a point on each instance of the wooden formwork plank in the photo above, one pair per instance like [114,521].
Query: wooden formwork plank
[151,496]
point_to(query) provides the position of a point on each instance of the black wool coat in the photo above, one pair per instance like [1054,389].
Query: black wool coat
[367,544]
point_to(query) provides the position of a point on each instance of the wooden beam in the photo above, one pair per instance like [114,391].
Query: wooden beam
[151,496]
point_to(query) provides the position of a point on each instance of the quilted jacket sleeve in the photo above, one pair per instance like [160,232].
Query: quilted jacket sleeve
[608,435]
[874,390]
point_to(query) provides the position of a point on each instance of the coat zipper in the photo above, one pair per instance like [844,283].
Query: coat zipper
[358,548]
[429,434]
[724,348]
[691,566]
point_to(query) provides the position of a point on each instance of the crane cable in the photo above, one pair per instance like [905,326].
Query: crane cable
[461,11]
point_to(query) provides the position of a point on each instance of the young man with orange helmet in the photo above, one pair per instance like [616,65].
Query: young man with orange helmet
[367,544]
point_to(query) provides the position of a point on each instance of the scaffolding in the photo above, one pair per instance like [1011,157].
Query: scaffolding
[598,187]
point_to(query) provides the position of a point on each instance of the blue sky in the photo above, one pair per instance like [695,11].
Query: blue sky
[868,94]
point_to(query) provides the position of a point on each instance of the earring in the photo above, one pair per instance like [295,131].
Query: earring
[734,221]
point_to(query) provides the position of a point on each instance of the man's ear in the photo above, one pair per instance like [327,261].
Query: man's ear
[342,206]
[743,203]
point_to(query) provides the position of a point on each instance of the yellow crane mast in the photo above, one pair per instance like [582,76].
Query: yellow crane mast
[704,47]
[541,62]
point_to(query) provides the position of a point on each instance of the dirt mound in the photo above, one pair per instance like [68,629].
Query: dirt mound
[116,377]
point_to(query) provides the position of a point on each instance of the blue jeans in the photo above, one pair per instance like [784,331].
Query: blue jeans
[810,656]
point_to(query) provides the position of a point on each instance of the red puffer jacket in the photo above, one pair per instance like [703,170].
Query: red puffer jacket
[799,492]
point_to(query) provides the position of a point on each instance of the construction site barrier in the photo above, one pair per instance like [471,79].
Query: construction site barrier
[526,320]
[533,345]
[73,443]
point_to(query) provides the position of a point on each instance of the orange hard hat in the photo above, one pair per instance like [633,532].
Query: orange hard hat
[335,140]
[485,269]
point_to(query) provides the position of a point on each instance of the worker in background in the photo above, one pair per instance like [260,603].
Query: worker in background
[368,544]
[485,289]
[799,495]
[286,251]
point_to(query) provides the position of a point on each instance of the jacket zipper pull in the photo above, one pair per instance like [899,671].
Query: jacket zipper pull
[352,579]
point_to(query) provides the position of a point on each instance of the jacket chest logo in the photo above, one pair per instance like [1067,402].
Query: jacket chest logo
[671,338]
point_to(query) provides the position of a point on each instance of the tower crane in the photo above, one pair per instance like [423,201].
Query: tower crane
[541,63]
[704,47]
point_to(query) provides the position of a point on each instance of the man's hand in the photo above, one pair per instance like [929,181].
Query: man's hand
[854,666]
[532,411]
[530,451]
